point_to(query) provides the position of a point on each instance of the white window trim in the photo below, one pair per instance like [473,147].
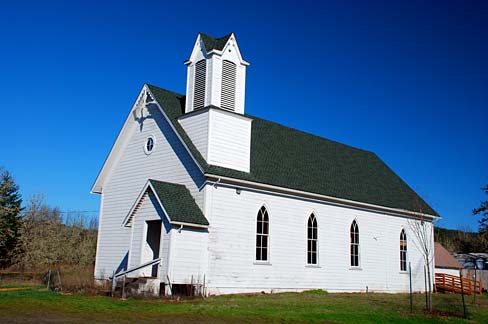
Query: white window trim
[317,264]
[406,252]
[145,144]
[358,267]
[268,254]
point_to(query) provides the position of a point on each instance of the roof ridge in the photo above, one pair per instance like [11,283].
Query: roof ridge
[166,90]
[171,183]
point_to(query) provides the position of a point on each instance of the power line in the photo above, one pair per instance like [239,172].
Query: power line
[78,211]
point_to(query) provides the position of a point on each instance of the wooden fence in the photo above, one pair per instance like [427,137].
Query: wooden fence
[450,283]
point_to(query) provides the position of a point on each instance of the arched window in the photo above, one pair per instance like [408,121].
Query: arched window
[199,87]
[403,251]
[228,94]
[312,240]
[262,235]
[354,244]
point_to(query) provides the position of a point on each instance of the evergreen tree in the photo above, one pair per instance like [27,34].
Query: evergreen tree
[10,201]
[483,210]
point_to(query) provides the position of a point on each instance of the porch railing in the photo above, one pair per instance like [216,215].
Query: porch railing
[116,276]
[456,284]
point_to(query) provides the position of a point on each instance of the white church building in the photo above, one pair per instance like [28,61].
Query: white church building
[196,190]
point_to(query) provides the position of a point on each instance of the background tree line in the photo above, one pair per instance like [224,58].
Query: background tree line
[37,236]
[461,241]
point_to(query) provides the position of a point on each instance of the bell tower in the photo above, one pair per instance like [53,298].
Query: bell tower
[216,74]
[214,112]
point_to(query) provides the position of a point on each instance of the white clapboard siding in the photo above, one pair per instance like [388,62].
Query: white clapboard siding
[188,255]
[229,140]
[197,128]
[214,81]
[231,247]
[223,138]
[169,162]
[240,89]
[452,272]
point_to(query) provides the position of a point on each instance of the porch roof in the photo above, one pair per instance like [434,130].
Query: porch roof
[176,202]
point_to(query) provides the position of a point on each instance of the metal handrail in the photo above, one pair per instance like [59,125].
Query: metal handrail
[123,273]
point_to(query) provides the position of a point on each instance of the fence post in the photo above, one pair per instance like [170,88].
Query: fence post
[411,293]
[204,292]
[474,292]
[462,294]
[48,279]
[170,287]
[123,288]
[426,293]
[113,283]
[59,281]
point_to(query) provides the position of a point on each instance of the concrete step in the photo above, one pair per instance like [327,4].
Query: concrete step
[141,286]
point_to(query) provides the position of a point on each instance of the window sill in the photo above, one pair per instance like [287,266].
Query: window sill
[403,272]
[313,266]
[262,263]
[356,268]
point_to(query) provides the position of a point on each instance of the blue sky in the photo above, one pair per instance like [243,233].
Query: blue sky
[405,79]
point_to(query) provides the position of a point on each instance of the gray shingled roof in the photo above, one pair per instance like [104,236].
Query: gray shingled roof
[178,203]
[214,43]
[444,259]
[289,158]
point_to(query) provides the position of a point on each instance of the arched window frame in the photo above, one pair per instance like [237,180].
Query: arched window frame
[355,251]
[403,251]
[312,240]
[262,236]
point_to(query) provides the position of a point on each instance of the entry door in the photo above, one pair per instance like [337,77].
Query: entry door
[151,247]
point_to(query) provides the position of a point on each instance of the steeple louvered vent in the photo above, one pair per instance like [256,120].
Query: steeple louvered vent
[228,85]
[199,89]
[216,75]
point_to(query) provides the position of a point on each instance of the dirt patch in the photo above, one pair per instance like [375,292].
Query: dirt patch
[48,317]
[12,289]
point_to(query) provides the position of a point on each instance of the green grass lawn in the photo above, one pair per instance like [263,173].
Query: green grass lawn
[37,306]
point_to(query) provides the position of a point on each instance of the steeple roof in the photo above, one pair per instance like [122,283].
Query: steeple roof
[212,43]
